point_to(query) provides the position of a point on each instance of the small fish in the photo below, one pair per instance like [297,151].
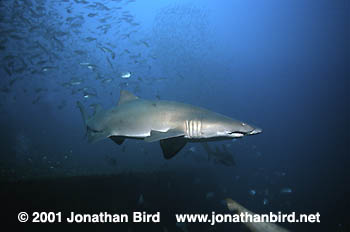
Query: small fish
[266,192]
[209,195]
[81,1]
[126,75]
[70,19]
[41,62]
[47,68]
[88,95]
[265,201]
[79,52]
[13,81]
[104,28]
[110,63]
[9,57]
[111,45]
[75,82]
[141,200]
[98,6]
[252,192]
[89,39]
[62,105]
[8,71]
[135,56]
[286,190]
[5,90]
[107,80]
[91,67]
[92,14]
[36,100]
[103,20]
[16,37]
[38,90]
[192,149]
[61,33]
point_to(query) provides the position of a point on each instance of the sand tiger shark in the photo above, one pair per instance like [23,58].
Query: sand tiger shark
[173,124]
[253,226]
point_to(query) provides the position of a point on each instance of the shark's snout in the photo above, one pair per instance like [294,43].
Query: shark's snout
[255,131]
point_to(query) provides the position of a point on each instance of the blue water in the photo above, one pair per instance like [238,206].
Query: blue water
[280,65]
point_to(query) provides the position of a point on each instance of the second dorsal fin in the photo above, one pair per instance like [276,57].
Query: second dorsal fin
[126,96]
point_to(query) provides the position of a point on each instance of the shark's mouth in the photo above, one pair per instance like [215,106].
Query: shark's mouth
[237,133]
[89,129]
[242,133]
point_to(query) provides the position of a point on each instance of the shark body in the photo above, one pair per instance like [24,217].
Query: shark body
[172,123]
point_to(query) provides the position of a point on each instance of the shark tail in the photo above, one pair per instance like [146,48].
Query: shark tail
[82,111]
[92,136]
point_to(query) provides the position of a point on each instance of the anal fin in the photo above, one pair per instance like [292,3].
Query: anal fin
[172,146]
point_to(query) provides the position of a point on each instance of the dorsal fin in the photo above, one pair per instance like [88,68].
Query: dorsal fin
[126,96]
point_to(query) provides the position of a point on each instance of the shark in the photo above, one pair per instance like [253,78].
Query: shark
[253,226]
[172,124]
[222,156]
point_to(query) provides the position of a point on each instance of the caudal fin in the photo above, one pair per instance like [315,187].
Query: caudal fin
[92,136]
[82,111]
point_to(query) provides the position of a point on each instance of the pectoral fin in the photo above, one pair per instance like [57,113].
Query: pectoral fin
[158,135]
[118,139]
[172,146]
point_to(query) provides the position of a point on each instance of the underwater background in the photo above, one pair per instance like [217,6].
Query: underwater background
[280,65]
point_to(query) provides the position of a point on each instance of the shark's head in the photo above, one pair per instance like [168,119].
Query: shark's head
[229,128]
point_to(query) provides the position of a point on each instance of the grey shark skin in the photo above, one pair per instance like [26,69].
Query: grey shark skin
[172,123]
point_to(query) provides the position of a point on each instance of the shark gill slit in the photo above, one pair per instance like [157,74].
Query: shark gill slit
[193,128]
[186,127]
